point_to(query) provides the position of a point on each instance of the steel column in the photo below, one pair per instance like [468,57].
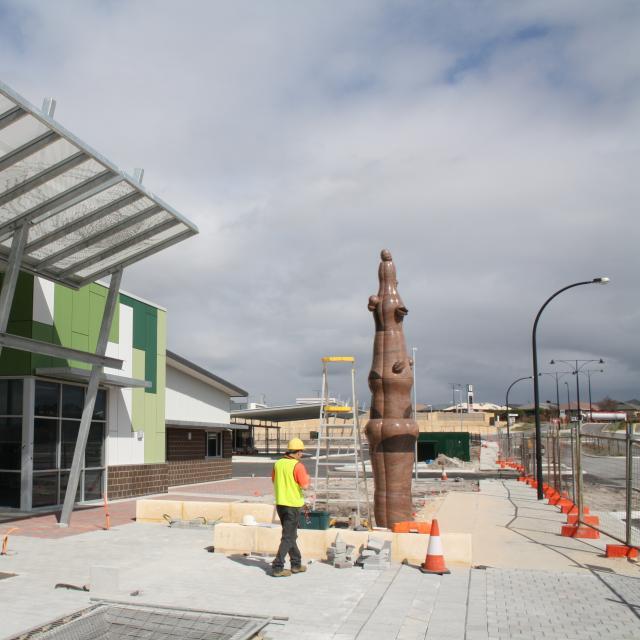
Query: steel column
[26,472]
[90,400]
[10,280]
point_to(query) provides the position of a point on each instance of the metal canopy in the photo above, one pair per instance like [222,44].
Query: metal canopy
[86,218]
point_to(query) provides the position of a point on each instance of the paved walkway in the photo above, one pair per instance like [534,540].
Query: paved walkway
[535,584]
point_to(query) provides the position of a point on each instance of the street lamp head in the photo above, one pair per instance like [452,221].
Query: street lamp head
[601,361]
[552,362]
[602,280]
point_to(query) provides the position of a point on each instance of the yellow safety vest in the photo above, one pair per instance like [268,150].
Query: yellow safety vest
[288,492]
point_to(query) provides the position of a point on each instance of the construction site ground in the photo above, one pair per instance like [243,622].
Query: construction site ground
[526,581]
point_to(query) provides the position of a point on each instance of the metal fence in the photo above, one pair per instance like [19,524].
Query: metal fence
[600,473]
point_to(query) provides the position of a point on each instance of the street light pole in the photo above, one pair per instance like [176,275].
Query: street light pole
[536,390]
[589,372]
[507,407]
[415,408]
[568,401]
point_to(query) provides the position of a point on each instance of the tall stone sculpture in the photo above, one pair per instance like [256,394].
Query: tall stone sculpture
[391,431]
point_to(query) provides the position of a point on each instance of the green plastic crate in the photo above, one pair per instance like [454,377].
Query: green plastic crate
[318,520]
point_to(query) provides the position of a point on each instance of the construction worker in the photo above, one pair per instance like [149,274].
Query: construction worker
[289,479]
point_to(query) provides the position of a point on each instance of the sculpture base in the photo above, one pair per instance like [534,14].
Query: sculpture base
[391,450]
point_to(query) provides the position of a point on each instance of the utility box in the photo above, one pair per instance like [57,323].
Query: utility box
[454,444]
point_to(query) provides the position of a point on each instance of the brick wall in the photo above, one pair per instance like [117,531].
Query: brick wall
[186,464]
[186,459]
[179,447]
[129,480]
[196,471]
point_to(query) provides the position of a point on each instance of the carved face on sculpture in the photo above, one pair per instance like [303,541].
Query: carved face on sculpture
[385,255]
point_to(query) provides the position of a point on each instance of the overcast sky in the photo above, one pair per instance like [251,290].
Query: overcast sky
[493,147]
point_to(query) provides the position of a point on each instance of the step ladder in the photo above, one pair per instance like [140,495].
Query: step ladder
[342,439]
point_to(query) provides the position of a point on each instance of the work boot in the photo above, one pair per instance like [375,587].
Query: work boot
[280,573]
[300,569]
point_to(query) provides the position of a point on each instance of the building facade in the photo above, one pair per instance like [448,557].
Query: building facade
[130,451]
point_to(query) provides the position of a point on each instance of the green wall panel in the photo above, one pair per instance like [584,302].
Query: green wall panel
[145,337]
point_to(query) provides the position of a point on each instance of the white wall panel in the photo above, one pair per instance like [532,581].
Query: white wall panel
[190,399]
[43,300]
[123,446]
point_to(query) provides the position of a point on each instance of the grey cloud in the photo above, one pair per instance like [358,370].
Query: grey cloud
[491,146]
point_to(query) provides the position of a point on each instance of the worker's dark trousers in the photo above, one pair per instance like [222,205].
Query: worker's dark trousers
[289,519]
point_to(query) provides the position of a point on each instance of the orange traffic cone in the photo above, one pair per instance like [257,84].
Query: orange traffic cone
[444,474]
[434,562]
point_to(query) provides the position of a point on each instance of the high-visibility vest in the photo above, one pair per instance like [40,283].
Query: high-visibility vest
[288,492]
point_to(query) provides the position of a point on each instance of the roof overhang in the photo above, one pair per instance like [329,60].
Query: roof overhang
[86,217]
[289,413]
[208,426]
[82,375]
[195,371]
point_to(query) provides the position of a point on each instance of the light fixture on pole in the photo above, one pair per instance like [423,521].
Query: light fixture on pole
[576,373]
[536,390]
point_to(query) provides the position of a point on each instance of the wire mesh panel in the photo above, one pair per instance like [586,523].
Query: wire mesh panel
[634,498]
[604,469]
[85,217]
[129,622]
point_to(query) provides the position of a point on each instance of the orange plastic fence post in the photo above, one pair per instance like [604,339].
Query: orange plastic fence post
[5,541]
[107,516]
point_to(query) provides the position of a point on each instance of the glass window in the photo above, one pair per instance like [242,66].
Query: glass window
[70,430]
[10,443]
[72,401]
[214,448]
[64,480]
[45,489]
[10,397]
[45,443]
[95,446]
[93,484]
[10,489]
[100,408]
[47,399]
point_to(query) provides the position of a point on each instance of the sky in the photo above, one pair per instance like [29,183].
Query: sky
[492,147]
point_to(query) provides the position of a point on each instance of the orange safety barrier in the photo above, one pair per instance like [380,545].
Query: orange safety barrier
[579,531]
[621,551]
[411,527]
[572,518]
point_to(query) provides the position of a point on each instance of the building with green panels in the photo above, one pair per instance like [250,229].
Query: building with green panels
[41,401]
[69,217]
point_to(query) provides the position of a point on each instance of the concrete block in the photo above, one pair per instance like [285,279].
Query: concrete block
[265,513]
[267,539]
[375,543]
[210,510]
[153,510]
[230,538]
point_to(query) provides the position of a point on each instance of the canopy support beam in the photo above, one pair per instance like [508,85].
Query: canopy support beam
[10,280]
[90,400]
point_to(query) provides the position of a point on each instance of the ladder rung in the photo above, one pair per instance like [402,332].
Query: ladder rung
[346,425]
[355,499]
[338,359]
[335,408]
[332,464]
[335,438]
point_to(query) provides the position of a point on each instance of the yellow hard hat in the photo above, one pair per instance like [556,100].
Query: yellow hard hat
[295,444]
